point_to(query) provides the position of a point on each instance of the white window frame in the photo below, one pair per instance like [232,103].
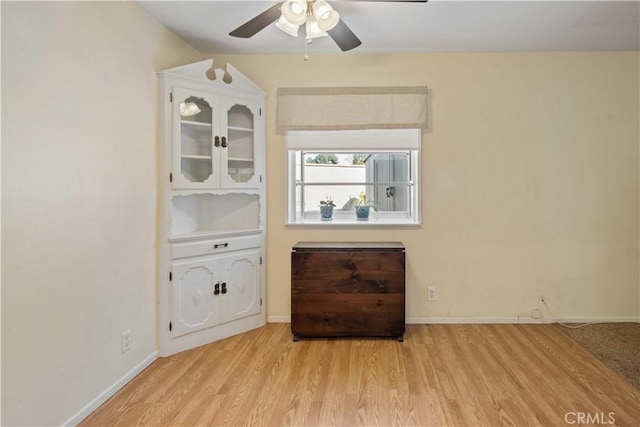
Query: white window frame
[373,140]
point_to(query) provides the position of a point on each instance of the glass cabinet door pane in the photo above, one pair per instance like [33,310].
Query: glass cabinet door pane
[195,139]
[240,151]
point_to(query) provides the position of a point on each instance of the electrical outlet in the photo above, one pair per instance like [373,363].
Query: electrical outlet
[536,314]
[431,293]
[125,341]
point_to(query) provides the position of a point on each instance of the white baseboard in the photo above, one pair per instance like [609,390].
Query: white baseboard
[279,319]
[466,320]
[612,319]
[487,320]
[517,319]
[105,395]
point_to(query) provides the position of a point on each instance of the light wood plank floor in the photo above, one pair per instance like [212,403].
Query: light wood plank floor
[454,375]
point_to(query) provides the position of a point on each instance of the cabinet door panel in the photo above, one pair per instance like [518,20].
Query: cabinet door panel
[194,305]
[239,157]
[242,278]
[195,124]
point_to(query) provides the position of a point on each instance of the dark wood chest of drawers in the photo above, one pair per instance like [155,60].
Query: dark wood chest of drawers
[348,289]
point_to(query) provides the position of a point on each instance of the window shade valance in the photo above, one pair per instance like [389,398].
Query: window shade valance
[352,108]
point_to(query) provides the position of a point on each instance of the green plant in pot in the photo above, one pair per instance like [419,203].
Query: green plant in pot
[363,209]
[326,209]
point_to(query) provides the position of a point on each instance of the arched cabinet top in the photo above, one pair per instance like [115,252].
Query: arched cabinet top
[224,77]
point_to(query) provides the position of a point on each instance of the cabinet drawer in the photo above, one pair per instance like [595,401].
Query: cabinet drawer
[214,246]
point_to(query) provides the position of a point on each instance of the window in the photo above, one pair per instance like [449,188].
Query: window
[376,167]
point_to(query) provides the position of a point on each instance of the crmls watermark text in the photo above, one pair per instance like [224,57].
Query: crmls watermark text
[590,418]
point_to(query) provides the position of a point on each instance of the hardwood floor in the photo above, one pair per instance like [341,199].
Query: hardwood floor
[457,375]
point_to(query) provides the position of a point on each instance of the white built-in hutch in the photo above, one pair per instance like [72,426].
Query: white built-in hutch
[212,212]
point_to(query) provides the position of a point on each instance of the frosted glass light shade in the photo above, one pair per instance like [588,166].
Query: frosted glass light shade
[313,29]
[326,17]
[295,11]
[287,26]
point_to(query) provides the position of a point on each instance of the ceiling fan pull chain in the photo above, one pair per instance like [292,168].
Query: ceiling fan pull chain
[307,42]
[306,45]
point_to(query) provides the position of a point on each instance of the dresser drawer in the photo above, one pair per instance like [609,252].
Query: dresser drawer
[214,246]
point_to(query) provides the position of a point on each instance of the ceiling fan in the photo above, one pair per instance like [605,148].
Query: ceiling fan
[318,17]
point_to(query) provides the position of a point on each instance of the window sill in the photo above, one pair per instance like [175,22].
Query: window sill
[354,224]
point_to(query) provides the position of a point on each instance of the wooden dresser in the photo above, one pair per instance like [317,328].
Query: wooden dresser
[343,289]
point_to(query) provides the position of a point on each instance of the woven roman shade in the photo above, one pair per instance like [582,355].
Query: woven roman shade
[352,108]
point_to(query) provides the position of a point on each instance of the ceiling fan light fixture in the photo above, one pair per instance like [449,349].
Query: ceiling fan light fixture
[326,17]
[295,11]
[287,27]
[313,29]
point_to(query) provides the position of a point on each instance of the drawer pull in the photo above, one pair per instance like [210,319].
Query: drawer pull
[220,245]
[224,288]
[216,288]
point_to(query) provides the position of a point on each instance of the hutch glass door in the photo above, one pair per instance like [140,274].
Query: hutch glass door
[194,133]
[239,158]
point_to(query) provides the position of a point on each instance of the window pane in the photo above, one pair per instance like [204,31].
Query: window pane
[344,196]
[333,167]
[380,168]
[381,178]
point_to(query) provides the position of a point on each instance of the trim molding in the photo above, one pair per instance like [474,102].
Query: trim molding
[468,320]
[486,320]
[279,319]
[110,391]
[518,319]
[611,319]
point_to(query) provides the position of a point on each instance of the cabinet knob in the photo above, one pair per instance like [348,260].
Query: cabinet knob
[224,288]
[216,289]
[216,141]
[224,141]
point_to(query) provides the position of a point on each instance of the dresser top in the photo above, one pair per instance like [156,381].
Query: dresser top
[348,246]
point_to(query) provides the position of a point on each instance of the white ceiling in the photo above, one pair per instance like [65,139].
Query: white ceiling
[436,26]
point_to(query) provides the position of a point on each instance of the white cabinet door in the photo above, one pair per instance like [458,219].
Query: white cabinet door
[214,141]
[195,131]
[215,290]
[194,306]
[241,129]
[242,285]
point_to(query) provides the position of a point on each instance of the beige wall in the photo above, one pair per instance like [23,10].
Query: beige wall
[79,112]
[530,180]
[530,187]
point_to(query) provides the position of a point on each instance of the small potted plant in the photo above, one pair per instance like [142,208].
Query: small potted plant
[326,209]
[364,208]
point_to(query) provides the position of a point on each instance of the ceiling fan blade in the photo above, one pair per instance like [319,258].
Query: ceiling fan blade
[344,37]
[260,22]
